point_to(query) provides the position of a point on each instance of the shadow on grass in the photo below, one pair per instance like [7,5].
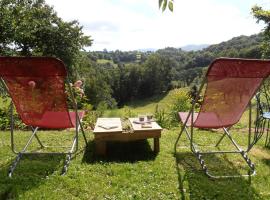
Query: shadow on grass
[121,152]
[31,172]
[194,184]
[266,161]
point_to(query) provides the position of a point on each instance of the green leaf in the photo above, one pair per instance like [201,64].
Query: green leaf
[171,6]
[160,3]
[164,5]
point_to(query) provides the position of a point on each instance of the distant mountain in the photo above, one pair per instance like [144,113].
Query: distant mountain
[237,44]
[194,47]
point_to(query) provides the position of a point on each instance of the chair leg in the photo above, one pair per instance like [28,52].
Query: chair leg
[19,156]
[14,165]
[224,134]
[68,157]
[199,156]
[66,164]
[38,140]
[84,137]
[178,138]
[267,141]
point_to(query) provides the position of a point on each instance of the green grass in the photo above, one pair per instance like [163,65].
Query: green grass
[104,61]
[143,106]
[132,170]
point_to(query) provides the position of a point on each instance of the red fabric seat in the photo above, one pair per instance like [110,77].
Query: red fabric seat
[183,116]
[37,88]
[59,120]
[231,83]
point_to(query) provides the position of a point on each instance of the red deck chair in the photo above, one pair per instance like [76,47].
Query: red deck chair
[230,86]
[37,88]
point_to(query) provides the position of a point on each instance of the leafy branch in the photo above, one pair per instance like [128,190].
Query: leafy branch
[164,4]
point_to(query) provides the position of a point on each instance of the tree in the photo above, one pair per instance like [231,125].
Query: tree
[156,75]
[31,27]
[263,15]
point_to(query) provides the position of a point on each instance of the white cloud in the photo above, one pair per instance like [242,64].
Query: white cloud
[136,24]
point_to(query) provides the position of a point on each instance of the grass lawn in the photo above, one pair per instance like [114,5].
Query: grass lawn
[132,170]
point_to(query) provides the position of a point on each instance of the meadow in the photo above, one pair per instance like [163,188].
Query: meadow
[131,170]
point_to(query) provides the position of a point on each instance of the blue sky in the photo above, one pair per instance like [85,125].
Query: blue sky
[139,24]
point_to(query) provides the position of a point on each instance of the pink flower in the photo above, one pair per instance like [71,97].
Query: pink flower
[78,84]
[32,84]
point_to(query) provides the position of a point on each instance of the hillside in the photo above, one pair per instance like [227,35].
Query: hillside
[241,46]
[117,77]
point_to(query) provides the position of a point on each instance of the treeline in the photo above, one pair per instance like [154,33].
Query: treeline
[115,77]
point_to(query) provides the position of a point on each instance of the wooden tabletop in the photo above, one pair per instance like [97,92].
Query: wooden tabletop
[138,127]
[115,123]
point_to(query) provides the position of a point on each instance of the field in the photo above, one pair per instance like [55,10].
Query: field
[132,170]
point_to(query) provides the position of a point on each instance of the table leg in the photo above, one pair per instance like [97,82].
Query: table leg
[100,148]
[156,145]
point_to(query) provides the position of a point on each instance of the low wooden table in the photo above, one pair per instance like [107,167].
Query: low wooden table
[116,134]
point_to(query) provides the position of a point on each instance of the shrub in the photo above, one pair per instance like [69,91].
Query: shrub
[180,103]
[127,113]
[78,93]
[5,116]
[161,117]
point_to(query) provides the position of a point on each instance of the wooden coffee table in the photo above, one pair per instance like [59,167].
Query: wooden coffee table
[102,135]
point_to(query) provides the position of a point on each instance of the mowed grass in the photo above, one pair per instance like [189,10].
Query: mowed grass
[145,106]
[131,170]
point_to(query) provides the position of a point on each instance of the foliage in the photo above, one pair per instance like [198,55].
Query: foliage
[181,103]
[157,75]
[117,77]
[164,4]
[78,95]
[32,27]
[90,118]
[167,116]
[5,120]
[264,15]
[127,113]
[193,94]
[162,117]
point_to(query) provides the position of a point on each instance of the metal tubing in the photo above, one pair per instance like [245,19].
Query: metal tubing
[19,156]
[230,137]
[191,110]
[267,135]
[213,152]
[68,157]
[12,129]
[30,139]
[76,113]
[44,153]
[83,132]
[199,156]
[224,134]
[249,125]
[36,136]
[191,128]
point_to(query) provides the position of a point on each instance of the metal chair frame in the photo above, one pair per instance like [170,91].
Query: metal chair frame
[199,154]
[262,119]
[72,149]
